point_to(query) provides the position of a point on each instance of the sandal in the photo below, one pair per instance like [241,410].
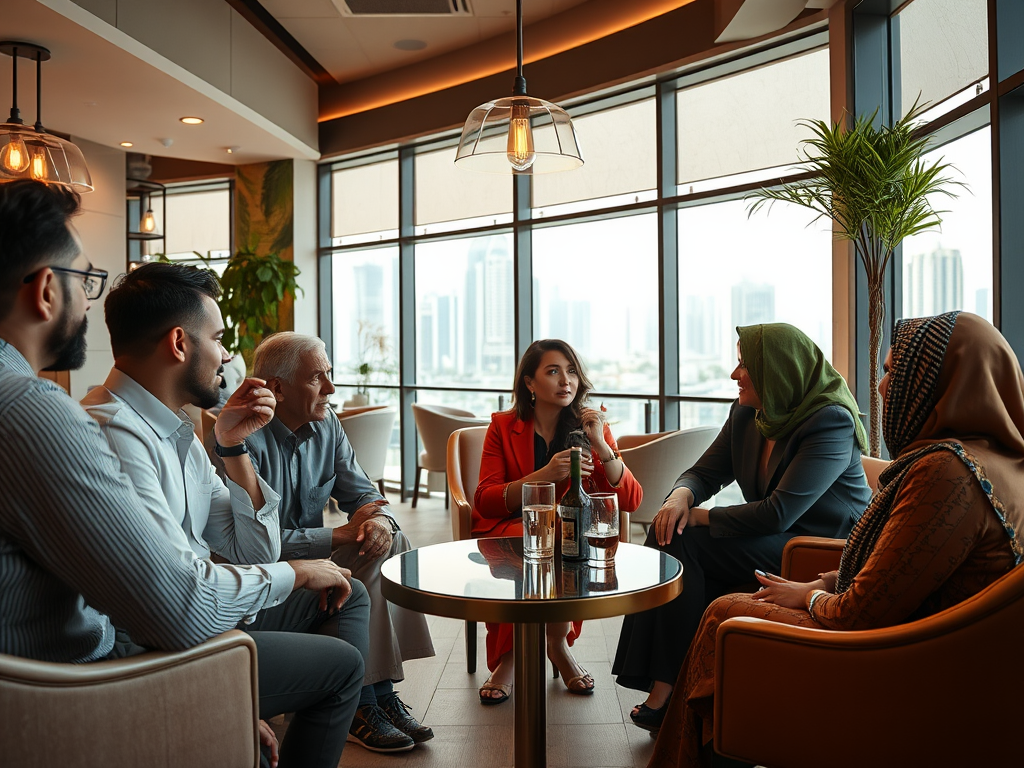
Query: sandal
[578,685]
[647,718]
[505,690]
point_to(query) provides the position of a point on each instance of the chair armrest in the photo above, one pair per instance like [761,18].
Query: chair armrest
[783,693]
[804,557]
[197,707]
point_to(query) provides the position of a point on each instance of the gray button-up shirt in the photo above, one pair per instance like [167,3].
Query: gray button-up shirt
[308,467]
[76,546]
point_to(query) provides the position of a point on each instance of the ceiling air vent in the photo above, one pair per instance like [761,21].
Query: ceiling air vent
[404,7]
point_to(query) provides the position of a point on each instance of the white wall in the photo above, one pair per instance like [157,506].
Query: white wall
[102,226]
[305,239]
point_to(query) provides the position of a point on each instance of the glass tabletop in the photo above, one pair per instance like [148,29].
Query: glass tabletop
[490,580]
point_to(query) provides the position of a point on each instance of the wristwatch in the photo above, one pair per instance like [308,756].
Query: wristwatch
[615,455]
[235,450]
[390,520]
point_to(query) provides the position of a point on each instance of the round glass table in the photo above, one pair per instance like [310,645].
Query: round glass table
[489,580]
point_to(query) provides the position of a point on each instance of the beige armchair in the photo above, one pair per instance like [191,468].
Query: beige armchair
[435,424]
[940,691]
[465,447]
[656,461]
[199,707]
[369,432]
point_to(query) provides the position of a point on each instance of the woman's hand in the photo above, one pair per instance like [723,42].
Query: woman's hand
[558,468]
[698,516]
[268,739]
[777,590]
[593,426]
[672,517]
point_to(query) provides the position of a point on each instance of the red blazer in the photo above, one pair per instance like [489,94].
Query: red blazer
[508,456]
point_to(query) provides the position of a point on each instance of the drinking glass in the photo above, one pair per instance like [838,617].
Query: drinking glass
[539,579]
[603,531]
[538,520]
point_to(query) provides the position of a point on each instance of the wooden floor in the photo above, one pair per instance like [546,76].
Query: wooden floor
[586,731]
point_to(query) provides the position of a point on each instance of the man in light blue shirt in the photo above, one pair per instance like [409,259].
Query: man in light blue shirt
[165,329]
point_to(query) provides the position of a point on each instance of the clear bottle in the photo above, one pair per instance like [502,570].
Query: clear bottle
[574,512]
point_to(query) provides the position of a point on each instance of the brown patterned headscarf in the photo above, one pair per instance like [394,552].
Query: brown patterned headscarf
[954,385]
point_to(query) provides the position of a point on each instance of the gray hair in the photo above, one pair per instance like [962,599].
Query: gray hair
[278,356]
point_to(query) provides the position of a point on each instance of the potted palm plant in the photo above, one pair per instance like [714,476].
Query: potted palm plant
[875,185]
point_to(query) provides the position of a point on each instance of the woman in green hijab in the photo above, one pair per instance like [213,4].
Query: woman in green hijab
[792,443]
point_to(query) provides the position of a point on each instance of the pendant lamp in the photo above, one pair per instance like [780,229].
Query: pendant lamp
[32,153]
[519,134]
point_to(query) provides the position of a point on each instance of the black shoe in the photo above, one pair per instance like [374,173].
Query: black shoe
[647,718]
[400,715]
[372,730]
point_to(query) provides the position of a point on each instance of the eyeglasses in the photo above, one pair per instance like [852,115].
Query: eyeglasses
[95,279]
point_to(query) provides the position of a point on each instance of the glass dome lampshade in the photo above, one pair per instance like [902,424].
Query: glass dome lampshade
[519,135]
[32,153]
[25,153]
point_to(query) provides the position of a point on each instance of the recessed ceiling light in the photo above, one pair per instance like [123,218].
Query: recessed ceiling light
[410,45]
[191,120]
[127,144]
[232,150]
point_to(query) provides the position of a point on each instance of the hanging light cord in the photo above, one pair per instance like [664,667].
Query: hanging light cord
[15,112]
[39,92]
[519,88]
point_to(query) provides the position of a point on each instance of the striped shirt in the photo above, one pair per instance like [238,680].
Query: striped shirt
[76,550]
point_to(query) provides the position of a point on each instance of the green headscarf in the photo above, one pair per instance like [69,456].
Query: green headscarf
[793,379]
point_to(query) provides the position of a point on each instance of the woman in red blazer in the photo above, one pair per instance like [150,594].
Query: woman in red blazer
[529,443]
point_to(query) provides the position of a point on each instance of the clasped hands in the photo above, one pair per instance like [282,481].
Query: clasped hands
[790,594]
[248,410]
[367,527]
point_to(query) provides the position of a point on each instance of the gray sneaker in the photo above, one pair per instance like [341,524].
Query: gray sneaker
[400,715]
[372,730]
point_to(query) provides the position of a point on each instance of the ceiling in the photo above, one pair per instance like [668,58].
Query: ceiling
[97,90]
[350,48]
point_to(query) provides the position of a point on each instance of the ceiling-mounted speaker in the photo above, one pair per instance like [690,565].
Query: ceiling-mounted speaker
[404,7]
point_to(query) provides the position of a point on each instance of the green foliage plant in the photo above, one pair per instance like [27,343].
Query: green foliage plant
[253,287]
[376,355]
[872,181]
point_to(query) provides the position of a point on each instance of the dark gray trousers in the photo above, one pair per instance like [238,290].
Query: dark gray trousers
[653,644]
[312,664]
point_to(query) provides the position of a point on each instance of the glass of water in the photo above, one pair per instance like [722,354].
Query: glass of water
[603,531]
[538,520]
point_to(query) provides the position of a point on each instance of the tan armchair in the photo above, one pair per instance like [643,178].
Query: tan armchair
[435,424]
[941,691]
[369,432]
[465,447]
[159,710]
[656,461]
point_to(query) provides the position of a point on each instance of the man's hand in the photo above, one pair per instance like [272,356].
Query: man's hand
[248,410]
[673,515]
[375,535]
[351,531]
[326,577]
[269,740]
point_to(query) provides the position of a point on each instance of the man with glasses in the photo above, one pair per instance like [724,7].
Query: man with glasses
[78,553]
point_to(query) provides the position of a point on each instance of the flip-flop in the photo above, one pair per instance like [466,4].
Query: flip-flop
[504,689]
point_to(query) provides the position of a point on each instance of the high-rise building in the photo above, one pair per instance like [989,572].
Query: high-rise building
[752,303]
[935,282]
[701,329]
[368,295]
[488,314]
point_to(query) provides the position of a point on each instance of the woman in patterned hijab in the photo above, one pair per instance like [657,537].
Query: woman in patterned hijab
[943,525]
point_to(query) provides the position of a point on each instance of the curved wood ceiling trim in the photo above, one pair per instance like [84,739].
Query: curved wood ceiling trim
[573,28]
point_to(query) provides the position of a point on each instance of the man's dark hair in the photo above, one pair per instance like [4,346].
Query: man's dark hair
[33,233]
[156,297]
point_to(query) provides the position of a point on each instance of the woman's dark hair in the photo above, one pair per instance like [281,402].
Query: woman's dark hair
[572,415]
[33,233]
[156,297]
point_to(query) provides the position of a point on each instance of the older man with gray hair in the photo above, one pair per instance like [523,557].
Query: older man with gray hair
[304,455]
